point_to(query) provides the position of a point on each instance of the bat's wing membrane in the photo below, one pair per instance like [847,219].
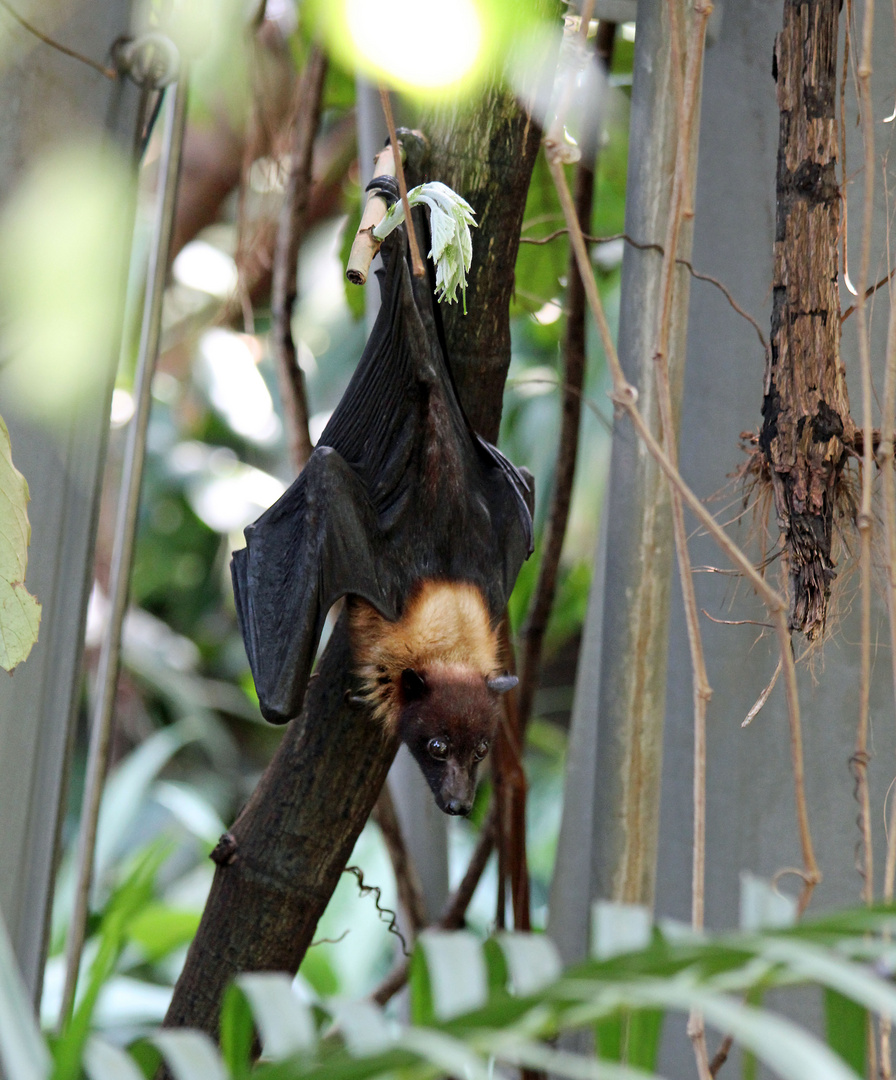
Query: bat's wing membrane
[316,544]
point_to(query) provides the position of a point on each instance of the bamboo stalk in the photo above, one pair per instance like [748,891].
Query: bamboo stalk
[682,185]
[366,245]
[625,397]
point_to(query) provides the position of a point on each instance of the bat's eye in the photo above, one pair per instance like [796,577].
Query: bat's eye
[480,751]
[438,748]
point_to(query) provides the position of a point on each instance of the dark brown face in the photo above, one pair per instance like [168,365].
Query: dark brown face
[449,721]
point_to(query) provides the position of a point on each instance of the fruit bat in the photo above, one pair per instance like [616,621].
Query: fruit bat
[421,524]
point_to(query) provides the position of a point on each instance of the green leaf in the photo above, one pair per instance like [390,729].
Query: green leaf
[452,1057]
[23,1052]
[632,1036]
[422,1011]
[237,1033]
[780,1044]
[532,961]
[363,1026]
[103,1061]
[127,787]
[788,1050]
[159,930]
[457,973]
[609,1036]
[19,610]
[285,1024]
[318,971]
[846,1027]
[618,928]
[129,898]
[191,1055]
[575,1066]
[643,1043]
[825,967]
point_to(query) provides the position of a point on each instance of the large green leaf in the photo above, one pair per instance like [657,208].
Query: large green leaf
[19,610]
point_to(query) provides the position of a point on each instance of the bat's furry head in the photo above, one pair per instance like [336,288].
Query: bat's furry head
[434,678]
[448,717]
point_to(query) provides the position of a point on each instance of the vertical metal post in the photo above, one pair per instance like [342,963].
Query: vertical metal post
[51,100]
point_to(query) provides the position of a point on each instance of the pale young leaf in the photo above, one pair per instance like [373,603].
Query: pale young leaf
[19,610]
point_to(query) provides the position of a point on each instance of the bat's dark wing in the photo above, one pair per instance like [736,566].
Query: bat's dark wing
[399,489]
[511,502]
[312,547]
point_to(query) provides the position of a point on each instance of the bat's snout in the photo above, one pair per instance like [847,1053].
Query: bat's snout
[457,790]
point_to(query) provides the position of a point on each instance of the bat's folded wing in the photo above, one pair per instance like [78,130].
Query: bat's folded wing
[317,543]
[511,498]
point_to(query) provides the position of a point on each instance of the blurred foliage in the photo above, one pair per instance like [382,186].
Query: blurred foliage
[190,744]
[77,198]
[503,1003]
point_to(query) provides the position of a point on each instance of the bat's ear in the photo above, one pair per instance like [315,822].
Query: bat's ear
[502,683]
[413,684]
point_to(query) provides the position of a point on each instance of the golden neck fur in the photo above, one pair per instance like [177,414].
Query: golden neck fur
[445,627]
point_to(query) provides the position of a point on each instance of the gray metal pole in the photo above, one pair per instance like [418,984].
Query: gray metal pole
[51,99]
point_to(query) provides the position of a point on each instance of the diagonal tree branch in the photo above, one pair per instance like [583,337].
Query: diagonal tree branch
[290,234]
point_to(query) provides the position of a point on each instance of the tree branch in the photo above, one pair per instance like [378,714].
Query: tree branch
[290,234]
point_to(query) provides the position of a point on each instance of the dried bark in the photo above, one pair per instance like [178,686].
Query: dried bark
[806,421]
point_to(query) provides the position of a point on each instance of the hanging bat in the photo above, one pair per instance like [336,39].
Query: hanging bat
[422,525]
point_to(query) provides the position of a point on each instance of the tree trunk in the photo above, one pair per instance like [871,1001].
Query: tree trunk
[486,154]
[282,860]
[806,407]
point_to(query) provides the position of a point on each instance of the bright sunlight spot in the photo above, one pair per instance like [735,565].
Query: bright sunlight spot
[122,407]
[418,43]
[202,266]
[234,497]
[548,313]
[235,386]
